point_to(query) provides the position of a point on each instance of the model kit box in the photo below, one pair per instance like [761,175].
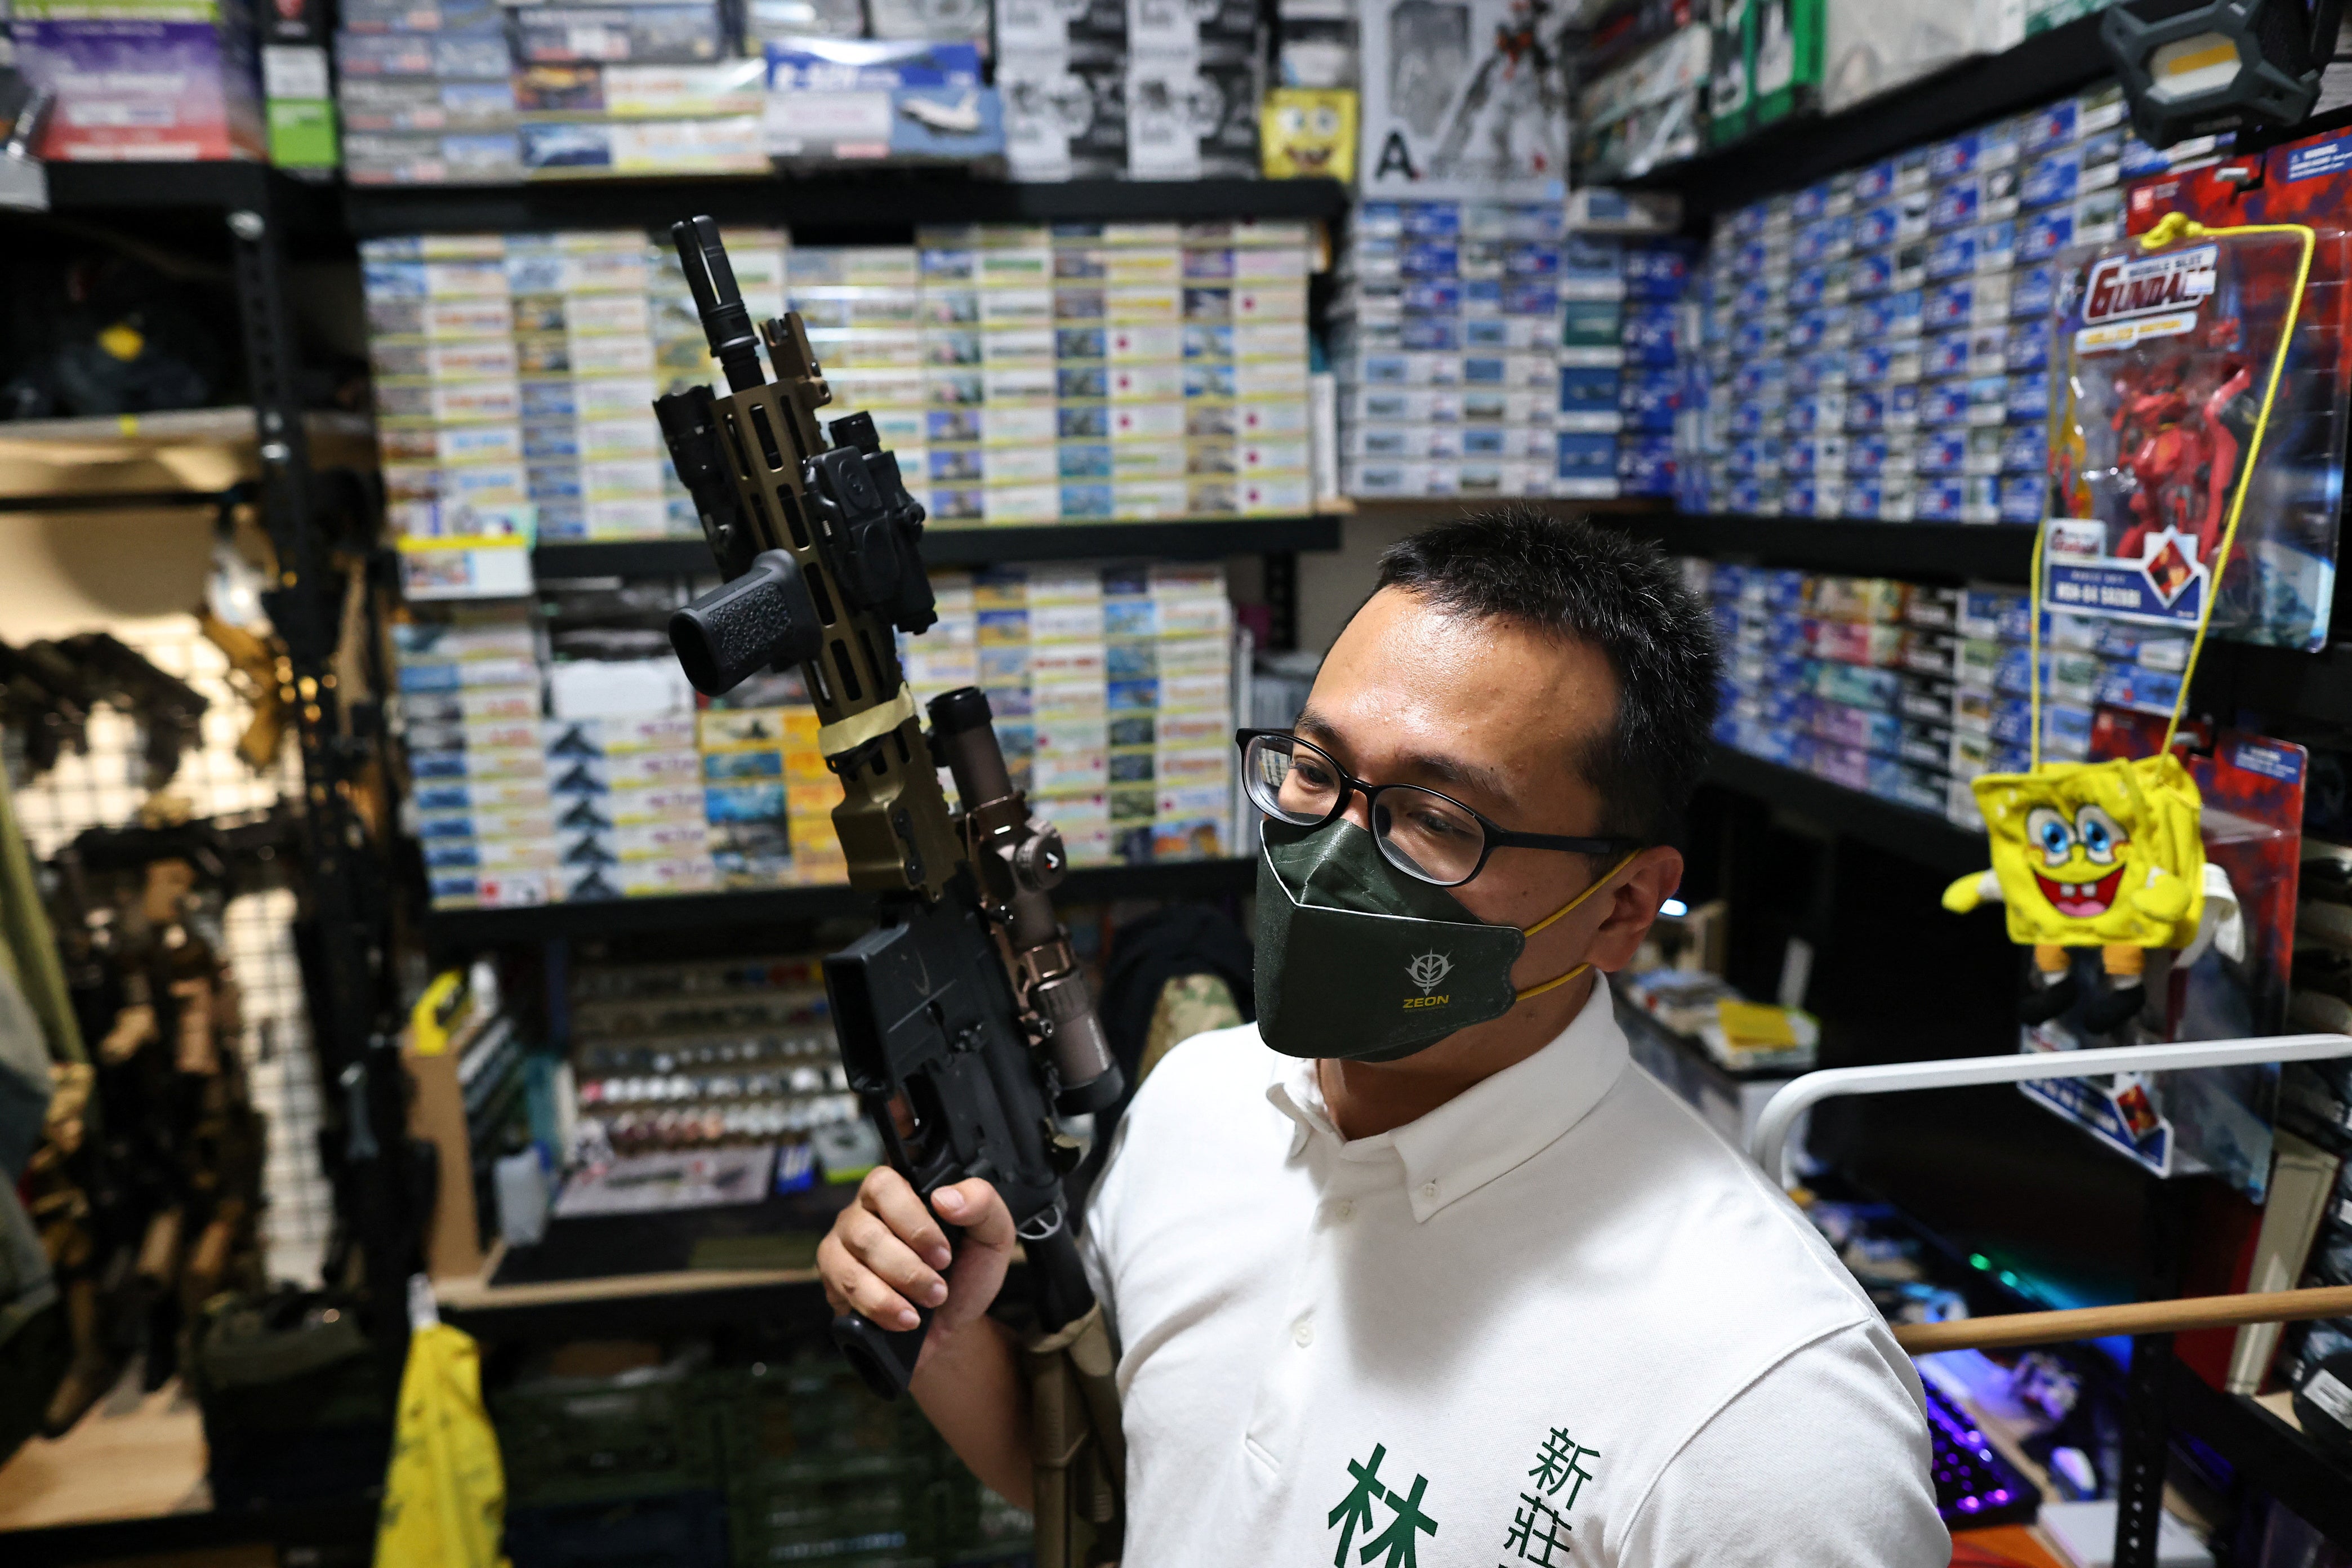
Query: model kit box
[1064,113]
[645,34]
[176,82]
[1192,117]
[1461,98]
[1768,64]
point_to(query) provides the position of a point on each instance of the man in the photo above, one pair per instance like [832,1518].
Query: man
[1416,1272]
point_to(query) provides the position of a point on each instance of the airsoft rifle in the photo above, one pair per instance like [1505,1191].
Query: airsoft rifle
[963,1020]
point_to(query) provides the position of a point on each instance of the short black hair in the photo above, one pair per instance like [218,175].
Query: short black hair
[1564,576]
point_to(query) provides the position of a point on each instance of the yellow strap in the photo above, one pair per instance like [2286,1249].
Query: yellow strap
[848,734]
[2170,229]
[1598,883]
[1550,985]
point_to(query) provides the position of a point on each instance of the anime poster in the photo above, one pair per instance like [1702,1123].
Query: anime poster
[2214,1120]
[1463,99]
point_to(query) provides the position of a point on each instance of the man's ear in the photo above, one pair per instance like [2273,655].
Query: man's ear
[1640,888]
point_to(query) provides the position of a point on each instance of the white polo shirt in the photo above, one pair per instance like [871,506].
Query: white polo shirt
[1555,1321]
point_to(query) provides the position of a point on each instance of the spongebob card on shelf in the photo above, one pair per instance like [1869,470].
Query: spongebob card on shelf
[2161,359]
[2220,972]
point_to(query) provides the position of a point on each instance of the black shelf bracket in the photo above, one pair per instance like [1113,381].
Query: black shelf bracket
[1917,551]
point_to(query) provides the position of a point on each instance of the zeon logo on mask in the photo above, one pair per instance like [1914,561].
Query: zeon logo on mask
[1428,972]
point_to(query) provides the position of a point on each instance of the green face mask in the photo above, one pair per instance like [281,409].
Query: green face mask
[1356,959]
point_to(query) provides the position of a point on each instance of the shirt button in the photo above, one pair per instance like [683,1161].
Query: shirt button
[1344,1209]
[1429,1191]
[1302,1333]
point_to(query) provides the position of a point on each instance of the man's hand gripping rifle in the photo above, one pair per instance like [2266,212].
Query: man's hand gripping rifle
[963,1020]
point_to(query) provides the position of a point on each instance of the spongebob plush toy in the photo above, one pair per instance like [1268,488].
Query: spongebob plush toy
[1309,133]
[2104,855]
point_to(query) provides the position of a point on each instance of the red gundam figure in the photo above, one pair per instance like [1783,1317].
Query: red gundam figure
[2178,455]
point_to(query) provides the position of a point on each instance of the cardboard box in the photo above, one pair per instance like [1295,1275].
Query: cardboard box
[177,82]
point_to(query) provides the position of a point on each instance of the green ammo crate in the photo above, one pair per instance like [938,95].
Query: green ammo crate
[578,1440]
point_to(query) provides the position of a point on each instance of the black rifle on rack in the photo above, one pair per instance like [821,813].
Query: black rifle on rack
[963,1018]
[45,702]
[49,688]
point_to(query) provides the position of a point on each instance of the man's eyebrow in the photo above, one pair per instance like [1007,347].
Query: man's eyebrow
[1433,766]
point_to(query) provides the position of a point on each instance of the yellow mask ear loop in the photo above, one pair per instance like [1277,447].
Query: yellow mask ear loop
[1599,882]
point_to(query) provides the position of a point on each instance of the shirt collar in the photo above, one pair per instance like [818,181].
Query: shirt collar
[1493,1127]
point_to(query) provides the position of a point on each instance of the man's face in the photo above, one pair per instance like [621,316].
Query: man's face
[1495,716]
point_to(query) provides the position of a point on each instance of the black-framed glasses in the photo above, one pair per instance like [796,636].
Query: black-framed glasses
[1419,832]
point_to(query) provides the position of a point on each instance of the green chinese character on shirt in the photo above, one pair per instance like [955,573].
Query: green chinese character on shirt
[1561,1464]
[1537,1531]
[1398,1539]
[1356,1508]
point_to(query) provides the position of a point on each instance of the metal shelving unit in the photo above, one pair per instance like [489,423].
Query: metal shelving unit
[313,1532]
[868,202]
[1205,540]
[1918,552]
[450,930]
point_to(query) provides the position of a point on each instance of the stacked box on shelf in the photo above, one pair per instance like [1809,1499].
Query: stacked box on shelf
[1447,351]
[426,93]
[1911,692]
[1119,352]
[2087,663]
[1066,731]
[1815,680]
[1742,359]
[628,805]
[1591,412]
[584,345]
[1018,380]
[1700,448]
[1028,375]
[626,777]
[165,80]
[1649,394]
[448,396]
[642,90]
[1926,704]
[865,309]
[1877,343]
[1112,692]
[484,819]
[610,324]
[769,798]
[515,376]
[1191,710]
[1245,342]
[1854,715]
[1991,727]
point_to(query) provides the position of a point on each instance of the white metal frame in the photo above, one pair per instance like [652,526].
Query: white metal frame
[1769,1145]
